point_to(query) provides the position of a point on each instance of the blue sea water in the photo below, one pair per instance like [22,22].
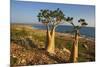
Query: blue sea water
[85,31]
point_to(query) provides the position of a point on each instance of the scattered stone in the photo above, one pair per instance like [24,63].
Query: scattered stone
[66,50]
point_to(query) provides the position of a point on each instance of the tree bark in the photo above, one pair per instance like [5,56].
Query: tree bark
[47,36]
[51,41]
[74,56]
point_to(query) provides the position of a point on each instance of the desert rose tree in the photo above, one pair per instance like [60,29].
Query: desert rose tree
[51,19]
[74,52]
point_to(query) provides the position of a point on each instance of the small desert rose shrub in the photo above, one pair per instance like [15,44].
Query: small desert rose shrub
[69,45]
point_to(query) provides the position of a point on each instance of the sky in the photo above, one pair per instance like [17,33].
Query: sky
[26,12]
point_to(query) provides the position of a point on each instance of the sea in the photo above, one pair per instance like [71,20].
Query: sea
[85,31]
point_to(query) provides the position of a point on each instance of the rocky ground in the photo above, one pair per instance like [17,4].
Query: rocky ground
[34,56]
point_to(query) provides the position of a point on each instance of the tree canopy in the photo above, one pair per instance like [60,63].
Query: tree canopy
[51,17]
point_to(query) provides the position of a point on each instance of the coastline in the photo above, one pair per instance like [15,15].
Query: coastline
[61,34]
[69,34]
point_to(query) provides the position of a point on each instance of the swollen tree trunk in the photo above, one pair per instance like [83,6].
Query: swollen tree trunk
[51,41]
[74,56]
[47,36]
